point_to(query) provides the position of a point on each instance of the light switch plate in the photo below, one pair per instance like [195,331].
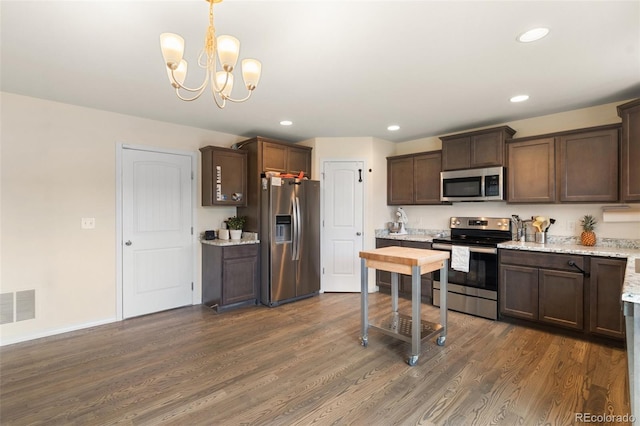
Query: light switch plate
[88,223]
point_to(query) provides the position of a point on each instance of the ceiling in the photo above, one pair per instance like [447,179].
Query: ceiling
[334,68]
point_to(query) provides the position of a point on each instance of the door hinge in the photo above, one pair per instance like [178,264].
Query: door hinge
[323,223]
[192,286]
[323,270]
[192,230]
[192,175]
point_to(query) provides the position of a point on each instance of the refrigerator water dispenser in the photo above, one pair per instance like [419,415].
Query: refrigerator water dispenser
[283,229]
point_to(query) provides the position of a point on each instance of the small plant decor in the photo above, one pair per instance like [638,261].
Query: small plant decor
[236,222]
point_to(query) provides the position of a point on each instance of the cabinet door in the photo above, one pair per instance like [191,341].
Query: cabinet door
[531,171]
[456,153]
[400,181]
[605,287]
[299,161]
[487,150]
[274,157]
[239,279]
[519,291]
[561,298]
[630,151]
[228,169]
[588,164]
[426,178]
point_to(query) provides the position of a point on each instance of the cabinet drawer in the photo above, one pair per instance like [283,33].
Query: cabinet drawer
[417,244]
[246,250]
[542,260]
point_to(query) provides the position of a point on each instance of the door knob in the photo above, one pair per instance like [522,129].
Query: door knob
[358,233]
[128,243]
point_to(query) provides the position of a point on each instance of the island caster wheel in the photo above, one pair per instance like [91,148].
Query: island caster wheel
[413,360]
[364,341]
[440,340]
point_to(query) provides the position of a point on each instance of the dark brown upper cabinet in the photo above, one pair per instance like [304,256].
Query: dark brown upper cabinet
[285,158]
[224,176]
[578,166]
[531,173]
[630,151]
[414,178]
[481,148]
[588,165]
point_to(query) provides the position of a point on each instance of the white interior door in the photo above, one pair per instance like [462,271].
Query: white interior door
[157,250]
[343,225]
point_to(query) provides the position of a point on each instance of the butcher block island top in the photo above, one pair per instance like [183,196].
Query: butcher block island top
[402,259]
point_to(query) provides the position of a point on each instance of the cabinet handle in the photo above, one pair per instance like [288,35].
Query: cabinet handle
[572,263]
[360,175]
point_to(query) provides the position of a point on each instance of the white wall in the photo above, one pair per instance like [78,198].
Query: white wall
[436,217]
[57,166]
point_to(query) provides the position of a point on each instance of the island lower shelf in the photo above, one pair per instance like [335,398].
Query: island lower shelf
[399,326]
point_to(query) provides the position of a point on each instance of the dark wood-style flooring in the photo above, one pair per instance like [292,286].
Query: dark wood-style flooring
[302,364]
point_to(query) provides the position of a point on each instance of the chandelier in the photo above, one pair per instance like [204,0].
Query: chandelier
[221,82]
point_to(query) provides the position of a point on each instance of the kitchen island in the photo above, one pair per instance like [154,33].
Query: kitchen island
[414,262]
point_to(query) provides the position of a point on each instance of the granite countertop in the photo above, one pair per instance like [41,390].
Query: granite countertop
[224,243]
[631,286]
[420,235]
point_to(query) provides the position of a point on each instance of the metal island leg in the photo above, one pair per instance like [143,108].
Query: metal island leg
[444,280]
[416,317]
[364,302]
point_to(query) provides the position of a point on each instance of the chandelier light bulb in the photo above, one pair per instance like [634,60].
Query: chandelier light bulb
[228,52]
[225,82]
[172,46]
[251,70]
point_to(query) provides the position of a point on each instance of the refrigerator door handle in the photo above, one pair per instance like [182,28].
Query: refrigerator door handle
[300,230]
[294,239]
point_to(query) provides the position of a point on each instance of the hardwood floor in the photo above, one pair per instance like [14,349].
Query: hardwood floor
[302,364]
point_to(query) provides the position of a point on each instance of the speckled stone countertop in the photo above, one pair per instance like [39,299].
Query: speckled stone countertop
[224,243]
[631,286]
[421,235]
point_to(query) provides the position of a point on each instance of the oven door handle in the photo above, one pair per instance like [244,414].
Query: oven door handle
[487,250]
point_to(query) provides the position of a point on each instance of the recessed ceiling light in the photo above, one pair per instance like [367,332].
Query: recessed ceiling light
[519,98]
[286,122]
[533,35]
[393,128]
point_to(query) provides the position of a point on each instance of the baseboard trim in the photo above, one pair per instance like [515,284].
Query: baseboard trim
[49,333]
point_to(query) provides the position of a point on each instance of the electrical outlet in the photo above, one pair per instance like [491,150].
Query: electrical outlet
[571,225]
[88,223]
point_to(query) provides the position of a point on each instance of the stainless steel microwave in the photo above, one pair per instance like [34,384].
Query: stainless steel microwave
[486,184]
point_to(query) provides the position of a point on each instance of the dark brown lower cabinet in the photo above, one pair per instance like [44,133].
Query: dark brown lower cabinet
[605,286]
[547,289]
[519,291]
[383,278]
[561,298]
[229,276]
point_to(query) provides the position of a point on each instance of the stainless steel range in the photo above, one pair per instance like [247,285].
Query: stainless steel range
[476,291]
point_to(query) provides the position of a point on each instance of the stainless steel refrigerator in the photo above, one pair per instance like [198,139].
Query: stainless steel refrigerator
[290,240]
